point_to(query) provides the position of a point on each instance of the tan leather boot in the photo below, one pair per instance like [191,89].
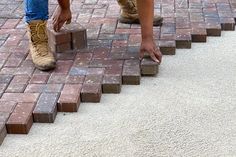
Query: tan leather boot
[129,13]
[42,58]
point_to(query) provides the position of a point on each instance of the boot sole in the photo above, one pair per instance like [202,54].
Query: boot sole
[136,21]
[46,68]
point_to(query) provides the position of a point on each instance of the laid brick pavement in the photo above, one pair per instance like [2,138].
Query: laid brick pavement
[110,60]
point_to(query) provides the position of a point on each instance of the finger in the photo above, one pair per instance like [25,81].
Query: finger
[54,17]
[55,26]
[158,54]
[152,55]
[54,20]
[60,25]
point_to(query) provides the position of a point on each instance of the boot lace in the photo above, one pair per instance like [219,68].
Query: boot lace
[132,6]
[39,38]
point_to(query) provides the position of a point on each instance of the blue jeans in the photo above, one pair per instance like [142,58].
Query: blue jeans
[36,10]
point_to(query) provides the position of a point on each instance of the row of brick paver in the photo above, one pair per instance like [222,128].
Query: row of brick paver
[111,59]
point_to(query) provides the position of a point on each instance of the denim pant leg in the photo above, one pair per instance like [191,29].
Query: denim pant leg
[36,10]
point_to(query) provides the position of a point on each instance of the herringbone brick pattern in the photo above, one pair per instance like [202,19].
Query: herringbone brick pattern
[110,60]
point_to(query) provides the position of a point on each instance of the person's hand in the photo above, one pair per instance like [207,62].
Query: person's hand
[60,17]
[150,48]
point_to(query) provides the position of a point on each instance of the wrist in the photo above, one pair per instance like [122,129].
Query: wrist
[64,5]
[65,8]
[147,39]
[147,36]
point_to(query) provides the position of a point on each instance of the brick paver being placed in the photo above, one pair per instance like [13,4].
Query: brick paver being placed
[111,58]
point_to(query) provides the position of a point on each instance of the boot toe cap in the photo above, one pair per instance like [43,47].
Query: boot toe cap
[46,64]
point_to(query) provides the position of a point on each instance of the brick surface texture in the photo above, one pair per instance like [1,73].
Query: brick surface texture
[95,54]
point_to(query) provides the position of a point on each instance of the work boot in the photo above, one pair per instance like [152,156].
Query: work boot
[129,13]
[42,58]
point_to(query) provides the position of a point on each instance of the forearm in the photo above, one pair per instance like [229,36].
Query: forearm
[146,13]
[64,4]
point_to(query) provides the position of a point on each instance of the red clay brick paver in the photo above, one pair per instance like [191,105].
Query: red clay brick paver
[21,119]
[3,132]
[148,67]
[6,108]
[110,59]
[69,100]
[71,37]
[46,108]
[111,84]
